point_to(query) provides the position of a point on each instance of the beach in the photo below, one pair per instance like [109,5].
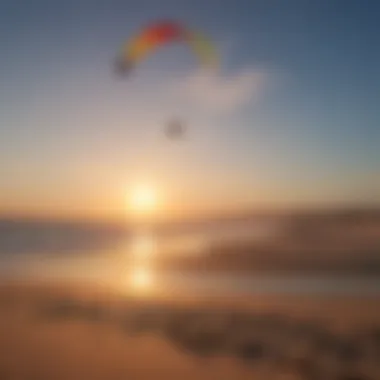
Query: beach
[69,331]
[223,301]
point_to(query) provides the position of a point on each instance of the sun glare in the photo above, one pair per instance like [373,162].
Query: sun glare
[142,200]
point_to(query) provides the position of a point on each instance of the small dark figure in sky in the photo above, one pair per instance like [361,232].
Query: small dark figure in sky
[122,67]
[175,130]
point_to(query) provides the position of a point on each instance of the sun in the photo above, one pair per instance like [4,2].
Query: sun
[142,200]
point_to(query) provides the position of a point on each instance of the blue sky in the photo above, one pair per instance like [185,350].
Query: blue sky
[302,127]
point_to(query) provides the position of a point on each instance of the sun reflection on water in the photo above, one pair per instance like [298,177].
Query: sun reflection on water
[143,246]
[141,278]
[142,251]
[143,203]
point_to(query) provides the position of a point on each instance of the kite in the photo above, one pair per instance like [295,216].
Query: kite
[146,41]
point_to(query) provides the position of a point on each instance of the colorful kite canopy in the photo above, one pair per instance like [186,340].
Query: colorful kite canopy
[160,33]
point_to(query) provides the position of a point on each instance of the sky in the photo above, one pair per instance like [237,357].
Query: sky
[291,118]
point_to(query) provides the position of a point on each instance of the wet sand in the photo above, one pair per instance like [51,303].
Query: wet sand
[77,332]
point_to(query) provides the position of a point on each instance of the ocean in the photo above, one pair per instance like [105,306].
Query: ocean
[105,255]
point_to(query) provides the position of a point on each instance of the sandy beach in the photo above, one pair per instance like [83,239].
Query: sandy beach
[59,331]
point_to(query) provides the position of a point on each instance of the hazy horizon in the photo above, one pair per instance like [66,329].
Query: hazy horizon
[237,214]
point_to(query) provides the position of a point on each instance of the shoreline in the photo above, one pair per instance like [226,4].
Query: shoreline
[76,331]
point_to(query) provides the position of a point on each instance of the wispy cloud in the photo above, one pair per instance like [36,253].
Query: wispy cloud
[222,94]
